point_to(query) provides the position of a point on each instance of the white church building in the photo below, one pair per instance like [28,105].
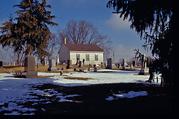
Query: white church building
[89,53]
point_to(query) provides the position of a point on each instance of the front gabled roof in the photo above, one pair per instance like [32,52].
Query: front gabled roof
[83,47]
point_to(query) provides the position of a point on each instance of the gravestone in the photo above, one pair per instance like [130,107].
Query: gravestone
[1,64]
[61,72]
[89,67]
[79,64]
[102,65]
[30,67]
[57,61]
[131,66]
[109,63]
[95,68]
[69,62]
[52,64]
[77,61]
[144,70]
[133,63]
[118,65]
[123,63]
[83,62]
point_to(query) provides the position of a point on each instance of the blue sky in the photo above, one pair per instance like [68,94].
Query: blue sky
[123,39]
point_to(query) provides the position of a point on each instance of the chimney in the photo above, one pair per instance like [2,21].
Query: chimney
[65,41]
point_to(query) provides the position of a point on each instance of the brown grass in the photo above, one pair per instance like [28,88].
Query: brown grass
[11,69]
[40,68]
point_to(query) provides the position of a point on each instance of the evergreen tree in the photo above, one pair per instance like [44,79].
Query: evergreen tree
[28,32]
[155,21]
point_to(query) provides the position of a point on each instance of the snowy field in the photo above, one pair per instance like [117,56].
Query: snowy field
[16,91]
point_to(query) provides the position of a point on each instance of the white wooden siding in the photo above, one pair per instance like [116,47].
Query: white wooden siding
[83,56]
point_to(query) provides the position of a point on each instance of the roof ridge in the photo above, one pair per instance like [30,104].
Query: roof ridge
[83,47]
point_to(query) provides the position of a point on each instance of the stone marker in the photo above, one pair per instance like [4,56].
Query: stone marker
[1,64]
[77,61]
[61,72]
[133,63]
[89,67]
[30,67]
[79,64]
[83,62]
[102,65]
[95,68]
[144,69]
[131,66]
[123,63]
[52,64]
[118,65]
[69,62]
[109,63]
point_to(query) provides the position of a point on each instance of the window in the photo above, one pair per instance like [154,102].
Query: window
[96,57]
[77,56]
[87,57]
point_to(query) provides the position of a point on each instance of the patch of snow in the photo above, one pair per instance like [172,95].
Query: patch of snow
[15,91]
[64,98]
[130,94]
[29,113]
[101,78]
[43,109]
[25,109]
[110,98]
[14,108]
[35,103]
[13,113]
[48,102]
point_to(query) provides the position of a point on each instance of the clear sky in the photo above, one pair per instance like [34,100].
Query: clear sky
[123,39]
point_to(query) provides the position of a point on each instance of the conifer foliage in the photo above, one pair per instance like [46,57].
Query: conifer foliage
[28,33]
[155,21]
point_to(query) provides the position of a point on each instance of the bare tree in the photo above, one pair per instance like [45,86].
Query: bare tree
[53,45]
[83,32]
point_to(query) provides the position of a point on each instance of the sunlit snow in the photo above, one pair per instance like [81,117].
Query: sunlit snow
[19,90]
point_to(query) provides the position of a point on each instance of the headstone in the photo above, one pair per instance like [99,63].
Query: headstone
[102,65]
[61,72]
[69,62]
[1,64]
[83,61]
[133,63]
[81,70]
[144,69]
[30,67]
[89,67]
[77,61]
[79,64]
[52,64]
[131,66]
[123,63]
[95,68]
[118,65]
[57,60]
[109,63]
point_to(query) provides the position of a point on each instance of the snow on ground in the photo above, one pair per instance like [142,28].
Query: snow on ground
[116,76]
[14,91]
[130,94]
